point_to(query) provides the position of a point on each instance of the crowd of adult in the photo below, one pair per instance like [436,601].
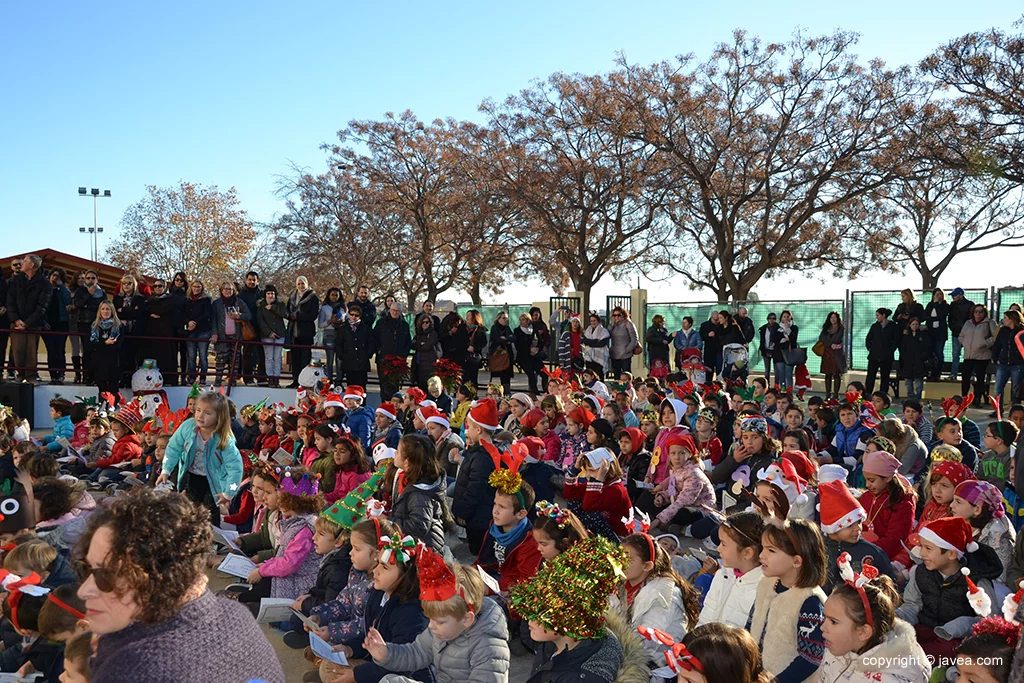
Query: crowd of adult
[181,322]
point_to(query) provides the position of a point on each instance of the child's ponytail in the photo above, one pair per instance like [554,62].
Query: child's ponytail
[882,597]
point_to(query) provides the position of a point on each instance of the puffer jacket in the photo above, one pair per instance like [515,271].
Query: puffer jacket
[473,496]
[897,659]
[624,339]
[295,566]
[420,510]
[592,661]
[977,339]
[480,654]
[658,604]
[730,599]
[128,447]
[99,449]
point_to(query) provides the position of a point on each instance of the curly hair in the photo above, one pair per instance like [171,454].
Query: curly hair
[300,505]
[158,547]
[54,497]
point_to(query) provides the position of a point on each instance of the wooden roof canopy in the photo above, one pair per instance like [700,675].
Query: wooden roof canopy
[109,276]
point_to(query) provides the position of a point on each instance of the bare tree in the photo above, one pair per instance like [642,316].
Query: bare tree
[779,153]
[592,194]
[947,212]
[986,69]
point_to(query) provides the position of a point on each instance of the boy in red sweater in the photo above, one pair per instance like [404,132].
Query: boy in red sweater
[127,448]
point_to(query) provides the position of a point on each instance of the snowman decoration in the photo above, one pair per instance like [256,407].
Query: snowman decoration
[311,380]
[148,387]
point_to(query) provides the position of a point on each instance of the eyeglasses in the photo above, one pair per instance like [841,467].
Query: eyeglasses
[616,315]
[90,278]
[106,579]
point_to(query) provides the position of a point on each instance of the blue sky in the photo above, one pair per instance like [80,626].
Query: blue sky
[120,95]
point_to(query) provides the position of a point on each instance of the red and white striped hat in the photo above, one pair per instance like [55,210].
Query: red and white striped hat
[357,393]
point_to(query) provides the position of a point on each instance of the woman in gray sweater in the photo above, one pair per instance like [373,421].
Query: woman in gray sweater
[146,597]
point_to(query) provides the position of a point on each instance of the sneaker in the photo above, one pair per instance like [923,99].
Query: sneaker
[296,640]
[111,489]
[94,486]
[710,545]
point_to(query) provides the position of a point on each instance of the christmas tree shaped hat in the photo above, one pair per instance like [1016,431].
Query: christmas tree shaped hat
[348,511]
[570,594]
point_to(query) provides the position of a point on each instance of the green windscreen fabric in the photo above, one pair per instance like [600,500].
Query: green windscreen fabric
[864,305]
[1007,296]
[808,316]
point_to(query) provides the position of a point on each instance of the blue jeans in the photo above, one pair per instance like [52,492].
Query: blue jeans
[955,362]
[200,347]
[272,354]
[938,348]
[1014,373]
[783,375]
[915,387]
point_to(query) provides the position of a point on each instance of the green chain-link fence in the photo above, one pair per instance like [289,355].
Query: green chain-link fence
[808,316]
[1005,297]
[863,306]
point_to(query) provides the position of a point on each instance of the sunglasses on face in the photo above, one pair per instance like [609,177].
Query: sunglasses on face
[106,579]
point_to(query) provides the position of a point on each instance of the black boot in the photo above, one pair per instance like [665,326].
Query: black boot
[76,361]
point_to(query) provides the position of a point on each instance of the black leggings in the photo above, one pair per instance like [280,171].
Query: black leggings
[979,369]
[197,488]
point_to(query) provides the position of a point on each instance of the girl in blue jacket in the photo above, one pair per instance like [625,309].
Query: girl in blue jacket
[203,449]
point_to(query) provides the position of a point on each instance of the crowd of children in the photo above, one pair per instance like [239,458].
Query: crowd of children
[823,541]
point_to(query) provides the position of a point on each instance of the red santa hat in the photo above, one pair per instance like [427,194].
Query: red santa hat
[534,446]
[978,598]
[388,410]
[950,533]
[356,393]
[595,401]
[434,416]
[839,509]
[801,463]
[333,400]
[532,418]
[416,394]
[783,474]
[485,413]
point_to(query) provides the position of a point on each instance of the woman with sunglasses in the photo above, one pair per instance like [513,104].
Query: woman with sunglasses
[144,587]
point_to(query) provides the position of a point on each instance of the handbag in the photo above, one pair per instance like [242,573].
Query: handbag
[248,331]
[819,348]
[797,356]
[637,350]
[499,361]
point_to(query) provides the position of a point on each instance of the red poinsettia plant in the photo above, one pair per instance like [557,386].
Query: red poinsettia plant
[450,373]
[394,369]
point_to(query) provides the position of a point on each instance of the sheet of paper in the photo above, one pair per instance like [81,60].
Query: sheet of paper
[304,619]
[122,465]
[71,450]
[15,678]
[67,458]
[273,610]
[641,484]
[237,565]
[489,581]
[227,537]
[283,457]
[321,648]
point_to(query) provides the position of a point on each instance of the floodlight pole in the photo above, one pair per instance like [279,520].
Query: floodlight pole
[95,230]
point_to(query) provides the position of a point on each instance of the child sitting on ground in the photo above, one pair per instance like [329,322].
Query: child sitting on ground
[938,596]
[61,619]
[981,504]
[945,477]
[556,530]
[598,496]
[467,637]
[418,506]
[841,523]
[473,496]
[889,500]
[998,458]
[351,467]
[730,598]
[63,427]
[686,493]
[988,653]
[635,460]
[574,440]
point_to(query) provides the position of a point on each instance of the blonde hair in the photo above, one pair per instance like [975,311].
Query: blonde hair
[35,556]
[126,278]
[220,406]
[113,315]
[435,383]
[471,586]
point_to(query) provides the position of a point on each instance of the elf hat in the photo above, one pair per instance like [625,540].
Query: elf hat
[569,595]
[195,391]
[484,413]
[956,472]
[832,472]
[129,415]
[353,507]
[388,410]
[581,416]
[950,533]
[801,463]
[978,598]
[839,509]
[416,394]
[355,393]
[783,474]
[532,418]
[333,400]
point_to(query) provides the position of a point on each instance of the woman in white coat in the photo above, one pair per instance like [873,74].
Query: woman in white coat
[864,639]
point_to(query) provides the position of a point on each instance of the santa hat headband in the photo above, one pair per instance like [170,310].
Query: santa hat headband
[950,533]
[783,474]
[857,580]
[979,599]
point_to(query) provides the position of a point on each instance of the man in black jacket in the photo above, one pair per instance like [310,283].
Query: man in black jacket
[710,332]
[959,314]
[86,301]
[392,337]
[252,354]
[27,299]
[353,343]
[362,300]
[881,342]
[745,323]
